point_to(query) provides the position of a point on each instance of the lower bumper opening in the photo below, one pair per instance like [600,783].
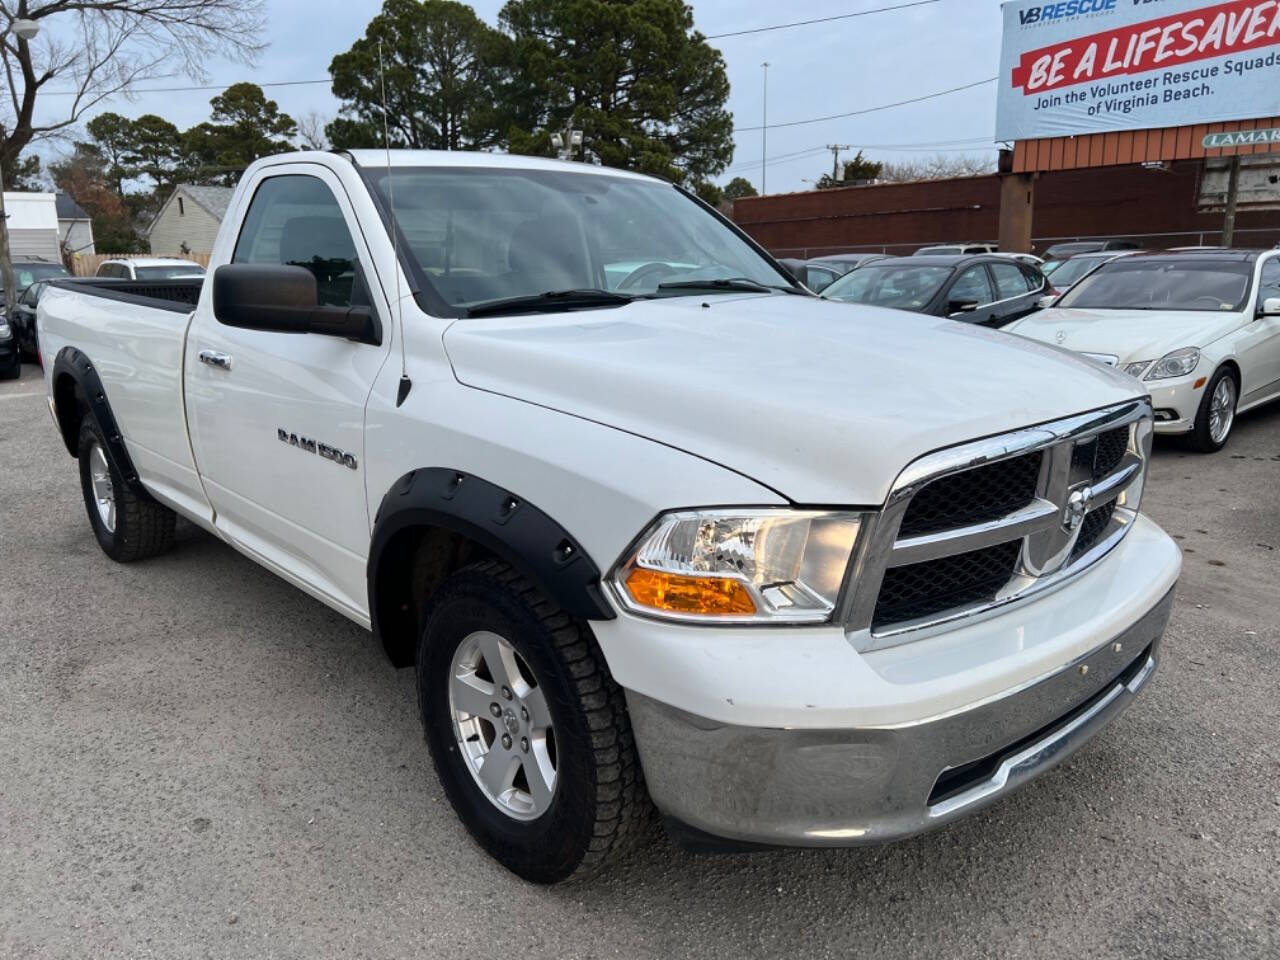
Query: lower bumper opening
[958,780]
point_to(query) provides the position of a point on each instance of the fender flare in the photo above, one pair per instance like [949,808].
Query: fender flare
[500,521]
[73,363]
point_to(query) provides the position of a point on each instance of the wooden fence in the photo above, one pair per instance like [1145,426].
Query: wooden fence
[86,264]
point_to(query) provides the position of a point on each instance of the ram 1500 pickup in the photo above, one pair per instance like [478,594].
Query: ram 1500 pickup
[656,527]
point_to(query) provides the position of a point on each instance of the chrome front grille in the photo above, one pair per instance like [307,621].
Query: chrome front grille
[975,527]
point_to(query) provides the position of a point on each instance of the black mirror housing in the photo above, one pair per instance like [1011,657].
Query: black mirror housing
[284,299]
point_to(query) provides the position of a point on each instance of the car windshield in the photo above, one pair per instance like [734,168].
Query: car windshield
[479,236]
[169,271]
[903,286]
[25,274]
[1132,284]
[1067,272]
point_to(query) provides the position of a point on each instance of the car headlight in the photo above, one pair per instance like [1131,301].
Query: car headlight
[739,566]
[1136,369]
[6,331]
[1176,364]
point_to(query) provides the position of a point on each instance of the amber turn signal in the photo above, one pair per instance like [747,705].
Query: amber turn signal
[675,593]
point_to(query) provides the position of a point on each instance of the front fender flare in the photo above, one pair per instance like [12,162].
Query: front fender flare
[500,521]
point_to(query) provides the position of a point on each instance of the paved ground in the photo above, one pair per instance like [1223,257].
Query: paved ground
[197,760]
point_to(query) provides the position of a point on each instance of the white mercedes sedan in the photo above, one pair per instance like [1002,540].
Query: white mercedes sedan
[1200,329]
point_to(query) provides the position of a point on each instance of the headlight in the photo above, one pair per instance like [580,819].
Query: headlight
[1135,369]
[1176,364]
[5,330]
[739,566]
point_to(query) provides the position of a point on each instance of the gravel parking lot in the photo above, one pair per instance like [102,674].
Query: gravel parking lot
[197,760]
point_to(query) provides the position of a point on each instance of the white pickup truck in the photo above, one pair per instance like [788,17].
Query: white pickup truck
[655,526]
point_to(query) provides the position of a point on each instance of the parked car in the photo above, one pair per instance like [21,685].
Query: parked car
[576,512]
[955,249]
[821,272]
[1061,251]
[1064,274]
[149,268]
[27,272]
[1201,330]
[10,353]
[22,319]
[986,289]
[1028,258]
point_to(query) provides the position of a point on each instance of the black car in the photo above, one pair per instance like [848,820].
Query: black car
[982,289]
[821,272]
[27,272]
[10,355]
[22,318]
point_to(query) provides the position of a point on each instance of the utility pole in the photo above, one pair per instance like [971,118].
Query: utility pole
[764,135]
[1233,195]
[25,30]
[835,149]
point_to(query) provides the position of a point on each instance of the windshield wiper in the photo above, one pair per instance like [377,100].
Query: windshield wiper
[550,302]
[744,284]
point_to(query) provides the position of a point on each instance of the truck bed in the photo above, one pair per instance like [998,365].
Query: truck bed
[180,296]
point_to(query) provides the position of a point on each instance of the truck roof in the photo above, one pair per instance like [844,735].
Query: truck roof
[372,159]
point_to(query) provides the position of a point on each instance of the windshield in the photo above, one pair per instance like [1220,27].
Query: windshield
[1130,284]
[903,286]
[169,271]
[1067,272]
[25,274]
[479,236]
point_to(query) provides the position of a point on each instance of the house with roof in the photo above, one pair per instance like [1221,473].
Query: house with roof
[189,220]
[75,230]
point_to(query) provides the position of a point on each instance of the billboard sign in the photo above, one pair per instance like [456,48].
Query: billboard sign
[1088,66]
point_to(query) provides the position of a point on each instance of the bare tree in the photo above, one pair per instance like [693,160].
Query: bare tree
[311,133]
[944,166]
[91,50]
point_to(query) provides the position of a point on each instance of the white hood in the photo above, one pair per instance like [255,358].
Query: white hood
[1130,335]
[823,402]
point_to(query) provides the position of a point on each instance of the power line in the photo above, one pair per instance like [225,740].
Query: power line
[216,86]
[858,113]
[806,23]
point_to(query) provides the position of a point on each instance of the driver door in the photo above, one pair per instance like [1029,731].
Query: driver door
[1260,365]
[268,409]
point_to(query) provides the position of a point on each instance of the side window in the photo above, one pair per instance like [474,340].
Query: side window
[973,285]
[1010,281]
[294,220]
[1269,285]
[1035,279]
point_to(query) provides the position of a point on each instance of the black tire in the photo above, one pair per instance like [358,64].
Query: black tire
[1201,438]
[143,528]
[599,803]
[14,370]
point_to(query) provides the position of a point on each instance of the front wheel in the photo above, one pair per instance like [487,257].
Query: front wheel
[528,732]
[1217,413]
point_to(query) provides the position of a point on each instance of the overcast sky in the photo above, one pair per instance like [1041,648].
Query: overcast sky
[814,71]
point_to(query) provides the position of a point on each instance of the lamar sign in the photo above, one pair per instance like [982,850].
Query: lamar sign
[1240,138]
[1089,66]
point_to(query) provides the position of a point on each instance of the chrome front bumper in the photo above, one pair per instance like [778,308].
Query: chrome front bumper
[856,786]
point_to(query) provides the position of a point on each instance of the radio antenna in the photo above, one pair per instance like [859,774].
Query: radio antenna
[405,383]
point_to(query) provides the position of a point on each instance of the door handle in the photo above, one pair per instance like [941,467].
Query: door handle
[215,359]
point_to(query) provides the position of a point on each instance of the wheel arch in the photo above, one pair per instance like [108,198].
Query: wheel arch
[78,393]
[436,520]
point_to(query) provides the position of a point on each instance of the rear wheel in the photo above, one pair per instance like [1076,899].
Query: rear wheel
[528,732]
[13,369]
[1217,413]
[128,526]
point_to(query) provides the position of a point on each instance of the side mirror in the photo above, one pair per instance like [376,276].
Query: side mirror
[961,306]
[284,299]
[1271,307]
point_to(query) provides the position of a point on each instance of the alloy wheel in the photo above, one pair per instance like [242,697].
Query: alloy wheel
[104,494]
[503,726]
[1222,409]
